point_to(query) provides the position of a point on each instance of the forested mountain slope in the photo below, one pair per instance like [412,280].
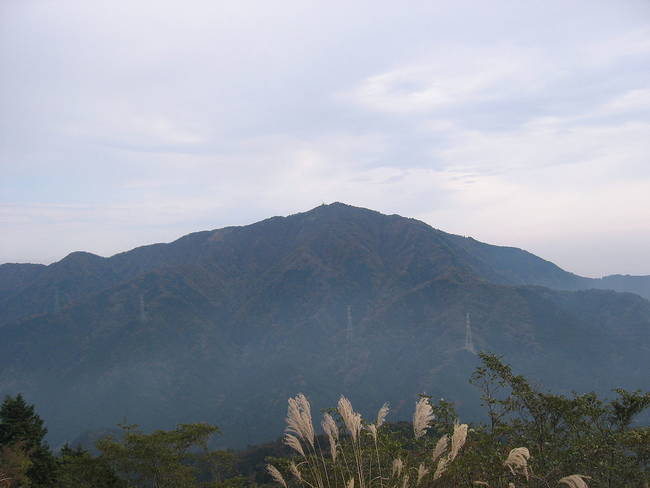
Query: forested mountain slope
[224,325]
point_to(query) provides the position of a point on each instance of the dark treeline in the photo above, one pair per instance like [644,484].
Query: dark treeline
[564,435]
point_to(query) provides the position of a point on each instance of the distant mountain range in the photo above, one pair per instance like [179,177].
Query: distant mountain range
[224,325]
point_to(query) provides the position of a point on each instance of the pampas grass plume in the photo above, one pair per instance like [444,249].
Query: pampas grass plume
[372,428]
[518,460]
[575,481]
[329,426]
[381,415]
[293,442]
[351,419]
[422,472]
[458,439]
[422,417]
[442,466]
[299,418]
[275,474]
[332,431]
[441,447]
[295,471]
[398,465]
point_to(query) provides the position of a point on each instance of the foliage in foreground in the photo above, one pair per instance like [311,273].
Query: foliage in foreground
[533,439]
[162,459]
[24,454]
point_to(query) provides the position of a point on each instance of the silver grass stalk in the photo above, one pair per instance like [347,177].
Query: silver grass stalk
[333,449]
[458,439]
[422,417]
[575,481]
[330,427]
[333,446]
[517,460]
[441,447]
[294,418]
[372,428]
[422,472]
[350,483]
[275,474]
[293,442]
[398,465]
[306,411]
[442,466]
[381,415]
[351,419]
[295,471]
[405,481]
[332,431]
[299,418]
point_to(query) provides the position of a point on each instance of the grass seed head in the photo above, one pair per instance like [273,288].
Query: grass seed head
[372,428]
[575,481]
[517,461]
[422,417]
[276,475]
[293,442]
[441,447]
[381,415]
[295,471]
[329,426]
[458,439]
[422,472]
[441,468]
[398,465]
[332,432]
[351,419]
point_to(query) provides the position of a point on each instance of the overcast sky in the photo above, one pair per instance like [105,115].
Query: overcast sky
[523,123]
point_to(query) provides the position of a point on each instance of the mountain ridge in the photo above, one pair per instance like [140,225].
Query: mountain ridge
[222,323]
[94,273]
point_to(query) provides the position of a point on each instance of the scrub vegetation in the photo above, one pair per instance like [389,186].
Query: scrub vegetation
[531,439]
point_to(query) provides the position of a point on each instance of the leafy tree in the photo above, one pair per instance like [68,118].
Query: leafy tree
[534,439]
[78,469]
[581,433]
[162,459]
[14,464]
[22,432]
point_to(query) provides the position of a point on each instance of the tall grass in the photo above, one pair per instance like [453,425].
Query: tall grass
[353,457]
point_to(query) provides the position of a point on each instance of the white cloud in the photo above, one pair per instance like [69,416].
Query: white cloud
[633,101]
[133,123]
[454,75]
[549,142]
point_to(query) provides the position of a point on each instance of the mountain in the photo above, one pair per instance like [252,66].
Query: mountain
[224,325]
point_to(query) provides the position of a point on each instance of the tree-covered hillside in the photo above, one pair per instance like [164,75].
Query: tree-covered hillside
[223,326]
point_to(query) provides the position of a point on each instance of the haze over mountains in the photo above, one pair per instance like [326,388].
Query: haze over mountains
[224,325]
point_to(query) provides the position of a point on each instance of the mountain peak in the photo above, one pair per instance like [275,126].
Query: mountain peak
[82,256]
[366,303]
[342,210]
